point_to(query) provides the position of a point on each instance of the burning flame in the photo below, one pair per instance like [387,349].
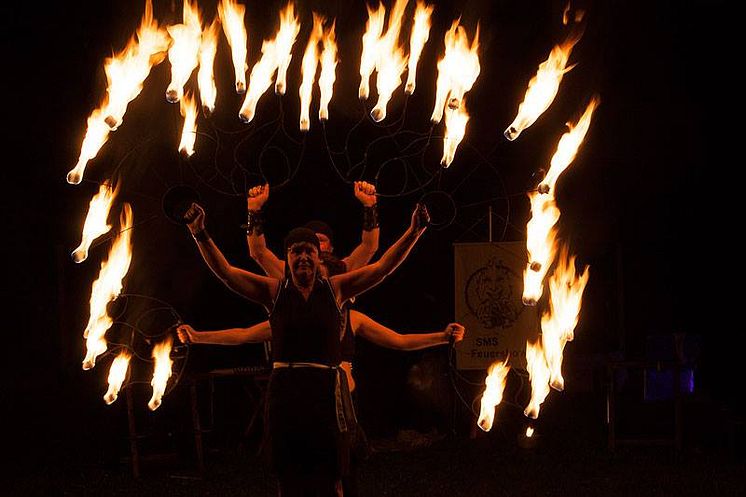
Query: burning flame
[540,244]
[538,374]
[308,70]
[497,376]
[328,71]
[558,325]
[117,374]
[373,30]
[457,70]
[127,71]
[206,77]
[456,120]
[568,146]
[107,288]
[184,51]
[276,54]
[540,241]
[95,137]
[417,39]
[161,371]
[529,432]
[95,222]
[188,107]
[125,74]
[543,86]
[390,61]
[289,28]
[578,17]
[231,15]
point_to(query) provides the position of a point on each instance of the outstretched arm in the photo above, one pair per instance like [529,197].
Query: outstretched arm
[233,336]
[350,284]
[363,253]
[371,330]
[269,262]
[260,289]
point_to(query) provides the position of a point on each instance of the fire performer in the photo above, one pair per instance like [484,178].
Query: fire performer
[306,414]
[272,266]
[358,324]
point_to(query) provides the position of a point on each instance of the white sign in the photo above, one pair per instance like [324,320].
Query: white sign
[489,285]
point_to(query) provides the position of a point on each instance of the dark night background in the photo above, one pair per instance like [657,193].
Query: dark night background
[643,204]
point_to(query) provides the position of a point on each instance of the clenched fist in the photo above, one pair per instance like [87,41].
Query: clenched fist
[257,196]
[454,332]
[195,217]
[420,218]
[186,333]
[366,193]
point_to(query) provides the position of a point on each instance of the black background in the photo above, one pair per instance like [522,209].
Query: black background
[643,203]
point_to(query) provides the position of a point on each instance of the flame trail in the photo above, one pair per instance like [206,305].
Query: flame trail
[96,220]
[107,288]
[231,15]
[125,74]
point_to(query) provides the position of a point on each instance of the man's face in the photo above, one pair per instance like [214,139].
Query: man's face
[326,244]
[303,258]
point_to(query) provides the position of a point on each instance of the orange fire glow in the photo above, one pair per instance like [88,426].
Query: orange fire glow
[125,74]
[373,30]
[106,288]
[206,76]
[308,71]
[96,221]
[328,71]
[456,120]
[184,52]
[541,237]
[457,70]
[390,61]
[188,107]
[543,87]
[538,373]
[540,241]
[568,146]
[231,15]
[276,55]
[289,29]
[497,377]
[558,325]
[117,374]
[161,371]
[417,39]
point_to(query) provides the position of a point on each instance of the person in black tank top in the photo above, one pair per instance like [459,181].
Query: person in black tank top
[305,415]
[303,428]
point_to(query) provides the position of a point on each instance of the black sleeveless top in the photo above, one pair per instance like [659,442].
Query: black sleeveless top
[306,330]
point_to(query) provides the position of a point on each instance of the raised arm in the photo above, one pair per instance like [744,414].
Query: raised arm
[363,253]
[260,289]
[353,283]
[269,262]
[233,336]
[371,330]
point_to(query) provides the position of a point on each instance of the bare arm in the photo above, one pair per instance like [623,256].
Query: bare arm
[260,289]
[350,284]
[269,262]
[233,336]
[371,330]
[363,253]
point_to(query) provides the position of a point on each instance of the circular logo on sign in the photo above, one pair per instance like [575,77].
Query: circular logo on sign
[490,297]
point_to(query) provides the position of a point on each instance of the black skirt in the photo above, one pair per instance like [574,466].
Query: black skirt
[304,433]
